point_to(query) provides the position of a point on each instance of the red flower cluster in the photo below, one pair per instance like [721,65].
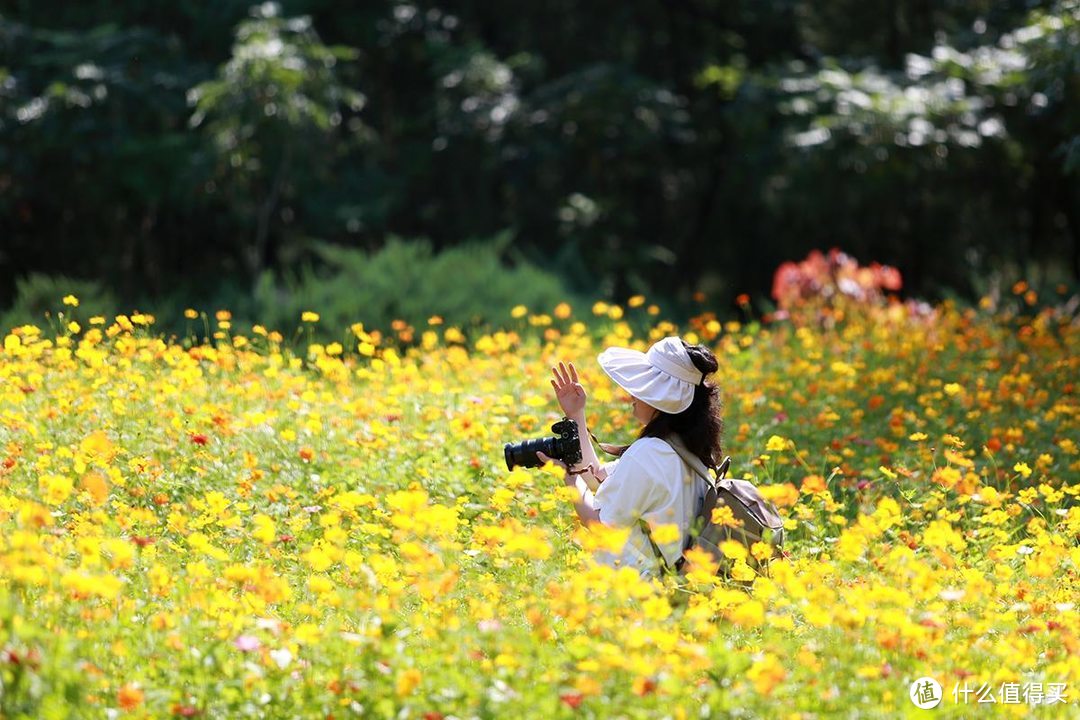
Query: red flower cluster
[829,277]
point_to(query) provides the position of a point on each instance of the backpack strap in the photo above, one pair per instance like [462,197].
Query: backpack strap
[667,569]
[696,465]
[695,462]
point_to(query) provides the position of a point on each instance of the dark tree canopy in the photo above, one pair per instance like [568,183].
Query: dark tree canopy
[171,150]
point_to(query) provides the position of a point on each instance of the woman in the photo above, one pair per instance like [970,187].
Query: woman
[674,403]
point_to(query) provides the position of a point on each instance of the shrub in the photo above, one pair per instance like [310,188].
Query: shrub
[38,295]
[468,286]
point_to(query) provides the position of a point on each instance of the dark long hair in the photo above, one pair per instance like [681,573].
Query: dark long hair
[701,425]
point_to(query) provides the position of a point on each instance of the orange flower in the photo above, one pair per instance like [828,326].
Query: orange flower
[813,484]
[129,696]
[95,484]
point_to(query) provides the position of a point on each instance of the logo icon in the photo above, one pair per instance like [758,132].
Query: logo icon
[925,693]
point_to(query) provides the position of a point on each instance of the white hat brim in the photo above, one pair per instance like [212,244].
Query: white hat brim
[633,372]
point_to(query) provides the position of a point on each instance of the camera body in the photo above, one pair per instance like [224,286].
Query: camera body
[565,446]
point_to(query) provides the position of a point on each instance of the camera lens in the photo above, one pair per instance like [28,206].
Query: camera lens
[523,454]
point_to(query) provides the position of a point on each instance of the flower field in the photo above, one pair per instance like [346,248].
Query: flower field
[250,527]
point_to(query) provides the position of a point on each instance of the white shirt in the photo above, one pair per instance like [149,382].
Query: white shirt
[651,481]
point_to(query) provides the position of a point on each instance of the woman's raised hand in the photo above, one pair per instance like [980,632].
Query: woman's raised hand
[568,390]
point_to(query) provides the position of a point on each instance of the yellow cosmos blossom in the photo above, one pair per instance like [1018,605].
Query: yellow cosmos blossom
[318,558]
[783,495]
[733,549]
[765,673]
[320,584]
[97,446]
[307,633]
[941,534]
[55,489]
[748,614]
[407,681]
[309,317]
[666,533]
[947,476]
[723,515]
[1023,469]
[264,530]
[96,486]
[776,444]
[813,485]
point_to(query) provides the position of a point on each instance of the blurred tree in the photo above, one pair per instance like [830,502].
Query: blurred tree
[274,113]
[630,147]
[93,153]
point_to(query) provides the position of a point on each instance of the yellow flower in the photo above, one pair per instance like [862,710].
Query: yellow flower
[502,499]
[320,584]
[784,495]
[318,559]
[749,614]
[307,633]
[765,673]
[309,316]
[71,300]
[947,476]
[55,489]
[761,550]
[917,437]
[190,314]
[940,534]
[723,515]
[742,572]
[407,681]
[953,389]
[887,472]
[776,444]
[97,446]
[733,549]
[519,311]
[663,534]
[264,530]
[1023,469]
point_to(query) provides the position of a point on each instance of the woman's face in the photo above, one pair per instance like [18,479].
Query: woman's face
[642,410]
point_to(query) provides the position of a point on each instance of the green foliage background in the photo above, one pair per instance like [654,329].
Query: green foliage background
[169,151]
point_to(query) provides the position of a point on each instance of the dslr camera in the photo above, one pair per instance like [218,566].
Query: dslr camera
[565,446]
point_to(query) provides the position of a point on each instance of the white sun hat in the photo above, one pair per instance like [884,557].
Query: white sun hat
[664,377]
